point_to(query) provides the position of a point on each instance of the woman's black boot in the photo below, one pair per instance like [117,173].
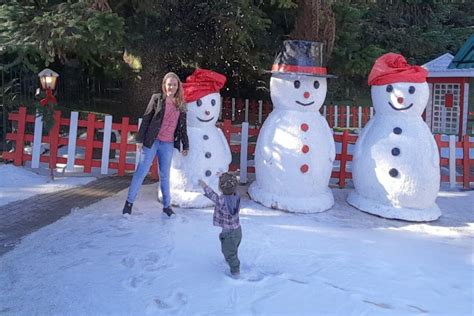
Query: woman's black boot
[168,211]
[127,209]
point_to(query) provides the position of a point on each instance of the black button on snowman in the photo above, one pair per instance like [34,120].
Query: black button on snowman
[395,167]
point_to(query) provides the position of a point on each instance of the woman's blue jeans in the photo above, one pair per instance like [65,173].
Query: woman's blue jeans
[164,152]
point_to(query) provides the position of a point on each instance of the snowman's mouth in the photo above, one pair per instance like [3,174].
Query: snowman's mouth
[305,104]
[206,120]
[400,109]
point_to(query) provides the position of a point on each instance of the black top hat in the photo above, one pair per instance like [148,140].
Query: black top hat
[301,57]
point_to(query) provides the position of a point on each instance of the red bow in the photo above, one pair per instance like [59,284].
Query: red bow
[50,98]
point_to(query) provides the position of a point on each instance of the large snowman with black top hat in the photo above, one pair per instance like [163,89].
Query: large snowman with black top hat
[209,153]
[395,168]
[295,147]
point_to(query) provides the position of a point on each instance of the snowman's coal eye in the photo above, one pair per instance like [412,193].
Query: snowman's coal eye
[316,84]
[213,102]
[297,84]
[389,88]
[199,102]
[411,90]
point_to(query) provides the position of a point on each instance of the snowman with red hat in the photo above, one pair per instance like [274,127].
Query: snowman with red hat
[395,168]
[209,153]
[295,147]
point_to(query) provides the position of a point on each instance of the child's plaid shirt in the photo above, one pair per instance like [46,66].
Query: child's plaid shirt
[222,216]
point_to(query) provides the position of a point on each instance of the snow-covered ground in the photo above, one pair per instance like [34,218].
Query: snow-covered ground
[18,183]
[340,262]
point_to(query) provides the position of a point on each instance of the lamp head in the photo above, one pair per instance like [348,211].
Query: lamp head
[48,79]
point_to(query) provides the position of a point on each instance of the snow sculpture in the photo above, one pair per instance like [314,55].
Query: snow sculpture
[396,163]
[295,148]
[209,153]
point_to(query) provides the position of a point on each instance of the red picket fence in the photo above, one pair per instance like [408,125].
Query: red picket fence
[91,125]
[465,163]
[345,139]
[55,140]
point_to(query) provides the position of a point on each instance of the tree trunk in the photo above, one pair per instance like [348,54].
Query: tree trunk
[316,21]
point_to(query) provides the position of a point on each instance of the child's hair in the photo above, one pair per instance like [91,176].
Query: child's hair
[228,183]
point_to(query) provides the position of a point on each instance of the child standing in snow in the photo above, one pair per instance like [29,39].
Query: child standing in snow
[226,215]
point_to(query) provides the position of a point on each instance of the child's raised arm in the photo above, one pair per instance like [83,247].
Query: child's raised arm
[208,192]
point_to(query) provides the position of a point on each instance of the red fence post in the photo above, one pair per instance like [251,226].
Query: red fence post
[54,139]
[342,165]
[226,129]
[239,110]
[267,108]
[89,143]
[365,115]
[253,112]
[355,116]
[342,116]
[226,109]
[20,137]
[330,115]
[123,146]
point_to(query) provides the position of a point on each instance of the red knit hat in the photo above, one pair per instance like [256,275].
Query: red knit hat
[201,83]
[390,68]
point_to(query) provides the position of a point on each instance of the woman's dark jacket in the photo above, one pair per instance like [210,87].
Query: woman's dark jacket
[151,124]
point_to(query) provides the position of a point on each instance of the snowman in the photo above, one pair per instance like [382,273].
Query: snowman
[209,153]
[295,147]
[396,163]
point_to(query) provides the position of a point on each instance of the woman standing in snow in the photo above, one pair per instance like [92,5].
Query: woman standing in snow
[163,127]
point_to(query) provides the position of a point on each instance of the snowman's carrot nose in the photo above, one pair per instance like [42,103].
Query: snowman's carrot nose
[400,100]
[306,94]
[207,112]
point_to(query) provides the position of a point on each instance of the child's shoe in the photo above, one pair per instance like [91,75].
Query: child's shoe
[235,273]
[127,209]
[168,211]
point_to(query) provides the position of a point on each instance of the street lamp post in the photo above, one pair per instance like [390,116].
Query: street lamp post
[48,79]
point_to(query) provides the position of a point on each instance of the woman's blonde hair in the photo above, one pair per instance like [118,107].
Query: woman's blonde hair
[179,95]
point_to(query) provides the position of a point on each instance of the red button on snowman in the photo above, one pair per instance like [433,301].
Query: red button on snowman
[295,148]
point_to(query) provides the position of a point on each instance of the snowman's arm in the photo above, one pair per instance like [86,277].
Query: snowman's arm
[228,154]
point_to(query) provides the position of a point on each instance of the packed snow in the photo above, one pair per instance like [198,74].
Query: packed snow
[17,183]
[340,262]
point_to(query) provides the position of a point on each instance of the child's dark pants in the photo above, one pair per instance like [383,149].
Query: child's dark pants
[230,241]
